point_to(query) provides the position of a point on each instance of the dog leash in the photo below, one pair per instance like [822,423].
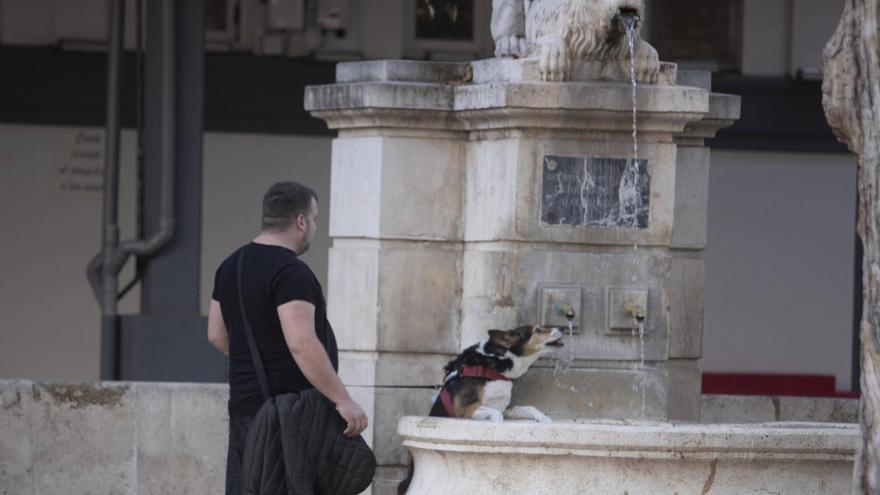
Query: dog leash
[423,387]
[466,371]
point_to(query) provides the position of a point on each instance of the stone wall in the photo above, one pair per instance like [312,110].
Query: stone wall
[112,438]
[161,438]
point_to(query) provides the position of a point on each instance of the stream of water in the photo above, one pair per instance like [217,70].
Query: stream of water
[629,202]
[563,363]
[629,197]
[629,23]
[642,363]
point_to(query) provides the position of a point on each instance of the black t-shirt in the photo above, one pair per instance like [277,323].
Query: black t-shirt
[271,276]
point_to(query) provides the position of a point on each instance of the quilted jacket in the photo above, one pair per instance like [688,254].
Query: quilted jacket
[295,446]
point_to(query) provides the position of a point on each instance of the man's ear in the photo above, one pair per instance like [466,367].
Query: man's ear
[301,221]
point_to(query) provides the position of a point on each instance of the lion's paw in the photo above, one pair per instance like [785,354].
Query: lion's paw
[647,64]
[542,418]
[510,46]
[554,62]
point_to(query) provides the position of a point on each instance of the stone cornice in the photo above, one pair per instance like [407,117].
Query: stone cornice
[590,106]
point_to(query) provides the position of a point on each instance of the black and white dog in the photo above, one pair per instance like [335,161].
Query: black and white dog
[478,382]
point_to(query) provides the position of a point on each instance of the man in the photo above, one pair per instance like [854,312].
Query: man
[285,306]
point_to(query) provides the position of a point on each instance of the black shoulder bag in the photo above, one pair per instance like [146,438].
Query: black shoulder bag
[317,457]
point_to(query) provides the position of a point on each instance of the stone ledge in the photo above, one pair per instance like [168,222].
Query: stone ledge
[724,110]
[526,70]
[832,410]
[578,105]
[757,409]
[602,457]
[736,409]
[403,70]
[639,439]
[695,78]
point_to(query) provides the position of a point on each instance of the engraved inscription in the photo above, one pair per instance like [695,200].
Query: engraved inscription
[595,192]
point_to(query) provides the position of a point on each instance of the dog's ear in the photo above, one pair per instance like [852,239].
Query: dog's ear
[527,331]
[496,334]
[502,338]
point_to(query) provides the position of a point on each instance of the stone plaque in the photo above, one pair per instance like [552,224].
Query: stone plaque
[595,192]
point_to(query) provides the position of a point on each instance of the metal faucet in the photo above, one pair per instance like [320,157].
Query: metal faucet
[565,310]
[636,311]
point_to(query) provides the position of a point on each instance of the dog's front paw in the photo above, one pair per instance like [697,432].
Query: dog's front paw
[488,414]
[526,412]
[553,63]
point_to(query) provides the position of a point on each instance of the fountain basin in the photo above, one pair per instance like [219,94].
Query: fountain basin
[616,457]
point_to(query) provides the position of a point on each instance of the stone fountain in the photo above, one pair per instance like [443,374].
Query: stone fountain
[469,196]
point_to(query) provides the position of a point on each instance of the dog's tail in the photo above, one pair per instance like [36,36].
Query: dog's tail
[403,486]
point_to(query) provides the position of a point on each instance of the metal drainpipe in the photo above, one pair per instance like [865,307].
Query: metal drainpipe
[141,247]
[103,270]
[109,282]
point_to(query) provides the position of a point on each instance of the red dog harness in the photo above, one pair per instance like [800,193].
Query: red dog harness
[474,371]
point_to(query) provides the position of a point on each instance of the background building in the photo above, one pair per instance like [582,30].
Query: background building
[780,262]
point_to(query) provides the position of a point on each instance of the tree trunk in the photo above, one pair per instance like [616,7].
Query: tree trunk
[851,97]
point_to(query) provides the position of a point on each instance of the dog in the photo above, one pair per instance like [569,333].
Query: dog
[479,381]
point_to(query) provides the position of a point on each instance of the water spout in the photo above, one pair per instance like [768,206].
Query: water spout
[629,17]
[565,310]
[636,311]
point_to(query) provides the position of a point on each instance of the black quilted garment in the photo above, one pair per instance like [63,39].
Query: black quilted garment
[295,446]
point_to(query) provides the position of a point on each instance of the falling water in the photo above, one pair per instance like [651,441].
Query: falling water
[562,364]
[629,196]
[630,24]
[642,361]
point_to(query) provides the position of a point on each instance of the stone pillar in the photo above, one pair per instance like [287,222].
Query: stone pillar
[396,220]
[466,197]
[685,344]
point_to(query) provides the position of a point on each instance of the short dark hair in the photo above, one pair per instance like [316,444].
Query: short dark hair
[283,202]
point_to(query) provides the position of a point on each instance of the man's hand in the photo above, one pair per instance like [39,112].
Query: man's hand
[354,416]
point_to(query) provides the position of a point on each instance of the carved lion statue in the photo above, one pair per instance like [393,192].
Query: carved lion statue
[559,32]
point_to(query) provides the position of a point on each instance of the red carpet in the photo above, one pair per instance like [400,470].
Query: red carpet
[772,384]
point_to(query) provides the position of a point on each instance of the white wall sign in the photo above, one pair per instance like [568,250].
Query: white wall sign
[81,170]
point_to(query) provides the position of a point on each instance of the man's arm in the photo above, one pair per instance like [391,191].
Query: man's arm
[217,333]
[298,324]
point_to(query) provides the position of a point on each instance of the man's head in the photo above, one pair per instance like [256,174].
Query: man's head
[290,208]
